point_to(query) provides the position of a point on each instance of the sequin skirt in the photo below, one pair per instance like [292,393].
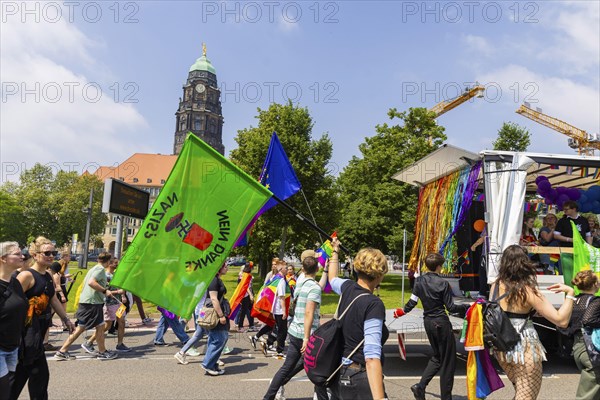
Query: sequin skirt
[529,344]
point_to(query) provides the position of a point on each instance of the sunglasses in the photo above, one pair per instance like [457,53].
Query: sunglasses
[49,253]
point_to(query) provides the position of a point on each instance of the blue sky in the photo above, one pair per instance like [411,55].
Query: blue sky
[352,61]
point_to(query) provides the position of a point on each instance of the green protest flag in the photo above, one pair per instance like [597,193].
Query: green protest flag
[196,219]
[585,256]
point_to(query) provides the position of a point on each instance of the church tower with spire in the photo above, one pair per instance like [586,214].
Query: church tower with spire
[199,109]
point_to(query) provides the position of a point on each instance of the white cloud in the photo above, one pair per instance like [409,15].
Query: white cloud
[478,44]
[52,111]
[574,28]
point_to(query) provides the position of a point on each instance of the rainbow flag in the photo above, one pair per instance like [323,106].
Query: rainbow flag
[465,256]
[265,301]
[325,251]
[239,294]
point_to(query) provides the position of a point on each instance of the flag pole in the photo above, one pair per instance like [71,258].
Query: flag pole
[307,221]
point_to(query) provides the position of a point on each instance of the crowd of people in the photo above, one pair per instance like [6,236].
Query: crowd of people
[32,290]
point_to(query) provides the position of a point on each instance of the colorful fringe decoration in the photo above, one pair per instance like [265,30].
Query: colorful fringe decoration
[442,209]
[482,378]
[265,301]
[239,294]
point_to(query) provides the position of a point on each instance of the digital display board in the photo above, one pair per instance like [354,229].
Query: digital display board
[123,199]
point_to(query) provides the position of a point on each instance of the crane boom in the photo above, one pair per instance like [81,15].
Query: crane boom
[447,105]
[580,139]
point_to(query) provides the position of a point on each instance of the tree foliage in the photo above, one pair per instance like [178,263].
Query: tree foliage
[49,205]
[512,137]
[278,232]
[376,208]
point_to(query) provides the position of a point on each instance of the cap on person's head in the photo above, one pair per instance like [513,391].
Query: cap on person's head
[307,253]
[55,267]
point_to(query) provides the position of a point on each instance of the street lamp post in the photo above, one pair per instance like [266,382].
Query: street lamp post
[86,244]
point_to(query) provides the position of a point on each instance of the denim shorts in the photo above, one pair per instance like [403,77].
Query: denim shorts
[8,361]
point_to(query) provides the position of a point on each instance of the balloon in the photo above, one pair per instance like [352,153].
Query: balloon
[562,190]
[544,185]
[548,201]
[541,178]
[479,225]
[552,194]
[562,198]
[583,199]
[574,194]
[585,207]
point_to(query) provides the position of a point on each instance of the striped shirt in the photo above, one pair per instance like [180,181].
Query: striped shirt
[309,291]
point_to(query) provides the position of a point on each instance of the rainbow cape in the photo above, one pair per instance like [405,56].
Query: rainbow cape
[265,301]
[239,294]
[482,378]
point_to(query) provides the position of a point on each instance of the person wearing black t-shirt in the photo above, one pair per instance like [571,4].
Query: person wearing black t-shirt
[436,297]
[564,231]
[13,309]
[361,375]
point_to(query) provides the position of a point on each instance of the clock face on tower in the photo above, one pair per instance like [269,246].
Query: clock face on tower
[200,88]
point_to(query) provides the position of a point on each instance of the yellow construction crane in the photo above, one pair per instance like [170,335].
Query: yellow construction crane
[447,105]
[579,139]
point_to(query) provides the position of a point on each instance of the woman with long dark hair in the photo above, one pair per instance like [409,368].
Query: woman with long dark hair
[517,277]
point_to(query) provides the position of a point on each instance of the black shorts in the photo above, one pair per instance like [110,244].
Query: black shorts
[90,315]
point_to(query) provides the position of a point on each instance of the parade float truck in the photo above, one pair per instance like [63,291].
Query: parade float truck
[466,198]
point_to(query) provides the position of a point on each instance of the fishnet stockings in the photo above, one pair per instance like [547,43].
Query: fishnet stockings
[526,378]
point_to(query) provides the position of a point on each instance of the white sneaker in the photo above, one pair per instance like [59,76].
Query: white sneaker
[181,359]
[220,363]
[192,352]
[280,393]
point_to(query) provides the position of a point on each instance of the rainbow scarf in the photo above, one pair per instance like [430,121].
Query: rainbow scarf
[264,305]
[239,294]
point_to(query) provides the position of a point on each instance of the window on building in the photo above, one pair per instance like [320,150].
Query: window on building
[149,180]
[114,231]
[135,180]
[162,181]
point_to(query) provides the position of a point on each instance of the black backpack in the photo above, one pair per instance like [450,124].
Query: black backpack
[498,332]
[324,350]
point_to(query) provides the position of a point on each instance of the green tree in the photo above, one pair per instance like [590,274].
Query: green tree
[69,198]
[12,223]
[278,232]
[376,208]
[512,137]
[49,205]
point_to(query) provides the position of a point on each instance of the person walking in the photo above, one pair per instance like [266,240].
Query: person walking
[37,284]
[13,310]
[517,277]
[586,312]
[435,295]
[111,305]
[361,376]
[90,313]
[217,337]
[280,313]
[305,321]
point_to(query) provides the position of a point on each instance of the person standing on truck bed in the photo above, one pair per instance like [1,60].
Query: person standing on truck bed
[564,231]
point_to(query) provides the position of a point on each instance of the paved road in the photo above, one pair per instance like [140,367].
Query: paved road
[151,372]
